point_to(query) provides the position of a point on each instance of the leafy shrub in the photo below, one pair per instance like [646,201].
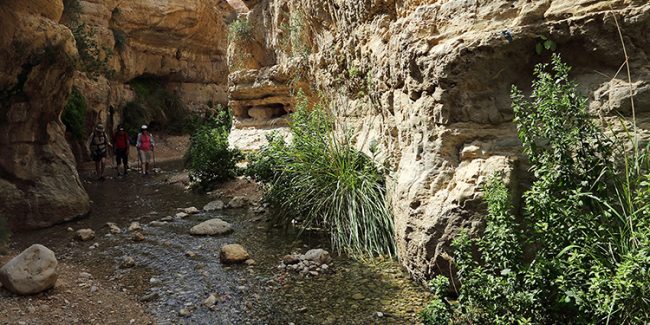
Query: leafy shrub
[74,114]
[94,59]
[239,29]
[585,224]
[209,158]
[322,181]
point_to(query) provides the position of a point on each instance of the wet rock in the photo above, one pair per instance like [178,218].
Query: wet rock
[358,296]
[184,312]
[211,227]
[32,271]
[167,219]
[214,205]
[181,215]
[135,226]
[150,297]
[137,236]
[210,301]
[127,262]
[85,275]
[70,229]
[84,234]
[154,281]
[113,228]
[190,210]
[250,262]
[318,255]
[233,253]
[156,223]
[290,259]
[190,253]
[237,202]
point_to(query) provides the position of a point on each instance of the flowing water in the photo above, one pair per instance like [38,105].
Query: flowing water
[168,279]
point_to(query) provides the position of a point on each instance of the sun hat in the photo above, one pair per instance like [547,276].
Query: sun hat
[144,127]
[99,127]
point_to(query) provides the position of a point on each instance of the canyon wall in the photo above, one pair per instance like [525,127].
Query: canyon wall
[181,44]
[429,82]
[39,184]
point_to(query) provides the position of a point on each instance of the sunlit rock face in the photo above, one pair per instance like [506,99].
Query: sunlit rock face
[429,81]
[39,185]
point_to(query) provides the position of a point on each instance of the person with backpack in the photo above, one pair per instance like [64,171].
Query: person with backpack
[145,146]
[98,144]
[121,142]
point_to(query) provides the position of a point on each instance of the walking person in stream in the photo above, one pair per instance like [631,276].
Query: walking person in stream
[121,142]
[98,144]
[145,146]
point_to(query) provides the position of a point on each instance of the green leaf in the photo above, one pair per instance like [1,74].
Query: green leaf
[550,45]
[539,48]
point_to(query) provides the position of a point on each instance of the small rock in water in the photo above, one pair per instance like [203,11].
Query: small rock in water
[154,281]
[85,275]
[211,227]
[127,262]
[324,267]
[150,297]
[184,312]
[181,215]
[358,296]
[113,228]
[135,226]
[167,218]
[250,262]
[137,236]
[318,255]
[190,253]
[84,234]
[214,205]
[210,301]
[379,314]
[93,289]
[93,246]
[290,259]
[190,210]
[32,271]
[156,223]
[233,253]
[70,229]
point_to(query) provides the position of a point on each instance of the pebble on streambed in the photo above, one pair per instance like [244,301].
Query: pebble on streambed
[313,263]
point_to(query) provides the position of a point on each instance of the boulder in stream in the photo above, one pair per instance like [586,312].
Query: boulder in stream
[233,253]
[214,205]
[33,271]
[211,227]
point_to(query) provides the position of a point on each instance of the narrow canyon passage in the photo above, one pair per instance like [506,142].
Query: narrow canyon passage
[175,272]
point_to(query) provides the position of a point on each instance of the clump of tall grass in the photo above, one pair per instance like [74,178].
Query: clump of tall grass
[321,181]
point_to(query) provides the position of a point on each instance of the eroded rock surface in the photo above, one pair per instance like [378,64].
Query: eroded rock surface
[39,185]
[429,82]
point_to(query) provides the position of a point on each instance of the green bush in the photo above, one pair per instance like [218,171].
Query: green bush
[322,181]
[209,159]
[239,29]
[581,252]
[74,114]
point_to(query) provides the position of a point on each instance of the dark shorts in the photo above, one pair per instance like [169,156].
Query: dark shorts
[122,156]
[98,155]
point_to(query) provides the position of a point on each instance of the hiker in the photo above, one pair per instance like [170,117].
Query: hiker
[145,146]
[98,143]
[121,142]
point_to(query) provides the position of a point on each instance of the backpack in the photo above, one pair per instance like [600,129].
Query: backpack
[98,142]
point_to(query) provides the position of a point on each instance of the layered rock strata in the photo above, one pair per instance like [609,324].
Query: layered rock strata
[429,81]
[39,185]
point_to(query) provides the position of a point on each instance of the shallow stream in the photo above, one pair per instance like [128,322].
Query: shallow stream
[167,278]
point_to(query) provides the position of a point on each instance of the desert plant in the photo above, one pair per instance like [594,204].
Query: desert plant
[322,181]
[209,158]
[74,114]
[585,223]
[239,29]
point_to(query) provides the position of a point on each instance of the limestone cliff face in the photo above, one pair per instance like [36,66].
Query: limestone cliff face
[39,185]
[182,43]
[430,79]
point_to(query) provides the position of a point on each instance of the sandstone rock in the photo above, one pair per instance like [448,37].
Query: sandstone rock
[181,215]
[210,301]
[137,236]
[157,223]
[237,202]
[32,271]
[134,226]
[233,253]
[127,262]
[214,205]
[113,228]
[190,210]
[318,255]
[290,259]
[211,227]
[39,183]
[84,234]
